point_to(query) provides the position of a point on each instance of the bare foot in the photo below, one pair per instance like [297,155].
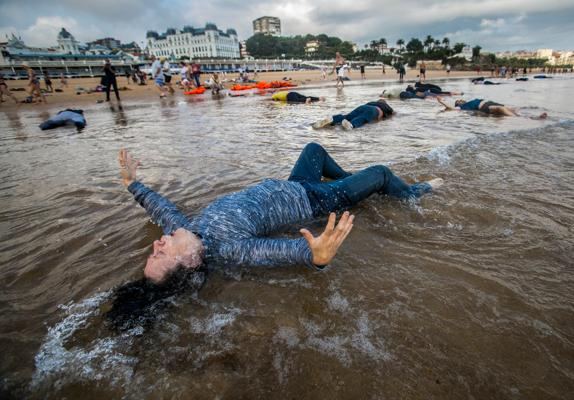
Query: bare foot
[436,183]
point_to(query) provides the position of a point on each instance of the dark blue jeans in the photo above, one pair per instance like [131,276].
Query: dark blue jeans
[359,116]
[345,189]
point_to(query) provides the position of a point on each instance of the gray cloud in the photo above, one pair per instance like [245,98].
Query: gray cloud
[494,24]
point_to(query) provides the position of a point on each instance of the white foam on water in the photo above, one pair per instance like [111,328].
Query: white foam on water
[287,335]
[336,302]
[439,155]
[361,339]
[367,343]
[214,324]
[100,359]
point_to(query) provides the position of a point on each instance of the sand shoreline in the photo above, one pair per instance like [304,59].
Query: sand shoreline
[304,79]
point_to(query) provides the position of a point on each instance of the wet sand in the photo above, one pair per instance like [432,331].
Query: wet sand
[69,98]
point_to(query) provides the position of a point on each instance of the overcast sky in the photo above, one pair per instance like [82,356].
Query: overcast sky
[493,24]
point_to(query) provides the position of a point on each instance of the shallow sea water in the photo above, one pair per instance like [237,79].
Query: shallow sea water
[464,294]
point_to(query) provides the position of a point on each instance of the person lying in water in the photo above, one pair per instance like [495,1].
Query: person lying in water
[370,112]
[482,81]
[234,229]
[294,97]
[432,89]
[484,106]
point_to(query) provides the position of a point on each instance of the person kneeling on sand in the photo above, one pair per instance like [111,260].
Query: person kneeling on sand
[484,106]
[370,112]
[294,97]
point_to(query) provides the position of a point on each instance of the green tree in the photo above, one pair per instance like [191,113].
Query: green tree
[400,43]
[429,41]
[415,46]
[476,53]
[446,42]
[457,48]
[492,58]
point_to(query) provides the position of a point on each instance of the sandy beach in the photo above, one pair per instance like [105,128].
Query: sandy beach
[68,98]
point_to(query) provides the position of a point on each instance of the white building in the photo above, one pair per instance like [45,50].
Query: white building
[312,47]
[267,26]
[466,53]
[208,42]
[67,43]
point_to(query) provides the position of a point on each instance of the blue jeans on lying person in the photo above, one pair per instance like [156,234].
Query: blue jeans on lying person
[345,189]
[359,116]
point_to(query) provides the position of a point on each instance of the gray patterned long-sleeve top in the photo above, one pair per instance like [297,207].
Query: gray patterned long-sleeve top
[234,227]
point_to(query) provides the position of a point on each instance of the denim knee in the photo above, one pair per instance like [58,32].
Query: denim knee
[313,147]
[380,170]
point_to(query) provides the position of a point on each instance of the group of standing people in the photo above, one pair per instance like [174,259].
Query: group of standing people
[162,74]
[190,73]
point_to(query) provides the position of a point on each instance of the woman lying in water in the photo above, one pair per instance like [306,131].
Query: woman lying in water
[484,106]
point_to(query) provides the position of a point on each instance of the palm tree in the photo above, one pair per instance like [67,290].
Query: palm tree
[374,44]
[383,41]
[476,52]
[400,43]
[446,42]
[429,41]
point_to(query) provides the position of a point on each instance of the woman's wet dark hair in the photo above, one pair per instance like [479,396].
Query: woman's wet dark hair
[139,302]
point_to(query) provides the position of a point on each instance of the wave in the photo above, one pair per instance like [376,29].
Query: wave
[56,364]
[442,154]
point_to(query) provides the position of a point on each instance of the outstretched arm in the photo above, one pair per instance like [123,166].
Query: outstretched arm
[446,106]
[161,211]
[309,250]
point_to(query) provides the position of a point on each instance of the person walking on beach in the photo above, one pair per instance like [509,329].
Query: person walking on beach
[34,92]
[423,71]
[109,80]
[195,73]
[323,72]
[401,71]
[342,76]
[128,74]
[63,81]
[4,90]
[339,62]
[235,229]
[447,69]
[157,76]
[48,82]
[363,71]
[167,75]
[370,112]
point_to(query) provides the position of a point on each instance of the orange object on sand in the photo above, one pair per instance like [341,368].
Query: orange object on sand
[262,85]
[199,90]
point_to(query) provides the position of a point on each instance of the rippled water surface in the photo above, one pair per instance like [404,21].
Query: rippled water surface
[466,294]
